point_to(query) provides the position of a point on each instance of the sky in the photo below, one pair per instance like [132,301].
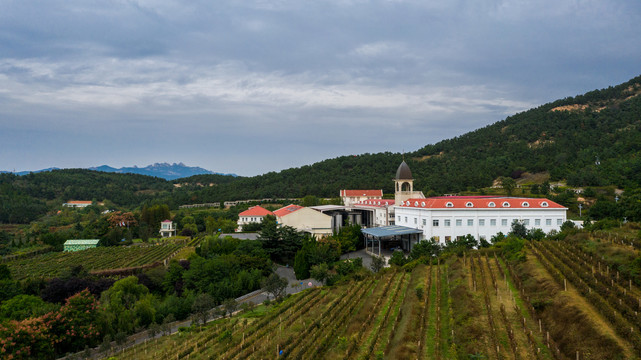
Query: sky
[249,87]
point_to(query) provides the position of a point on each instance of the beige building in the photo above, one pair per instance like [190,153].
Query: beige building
[351,197]
[305,219]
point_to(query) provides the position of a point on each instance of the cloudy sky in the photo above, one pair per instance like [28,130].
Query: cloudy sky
[254,86]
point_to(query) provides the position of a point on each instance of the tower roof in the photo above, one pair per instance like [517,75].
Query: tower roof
[403,172]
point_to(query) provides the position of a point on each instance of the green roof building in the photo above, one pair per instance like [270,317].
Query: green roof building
[75,245]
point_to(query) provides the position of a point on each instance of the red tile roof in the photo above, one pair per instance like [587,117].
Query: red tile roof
[256,211]
[376,202]
[355,193]
[79,202]
[287,210]
[481,202]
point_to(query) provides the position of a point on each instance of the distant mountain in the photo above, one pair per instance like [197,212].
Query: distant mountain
[27,172]
[161,170]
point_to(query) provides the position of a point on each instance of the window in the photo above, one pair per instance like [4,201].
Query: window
[491,204]
[448,239]
[436,238]
[424,222]
[525,204]
[492,222]
[526,222]
[469,204]
[548,222]
[459,222]
[537,222]
[503,222]
[559,222]
[447,222]
[506,204]
[434,222]
[449,204]
[544,204]
[415,221]
[470,222]
[406,219]
[481,222]
[423,203]
[399,219]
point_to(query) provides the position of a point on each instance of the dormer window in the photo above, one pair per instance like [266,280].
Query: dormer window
[491,204]
[544,204]
[415,203]
[469,204]
[525,204]
[449,204]
[423,203]
[506,204]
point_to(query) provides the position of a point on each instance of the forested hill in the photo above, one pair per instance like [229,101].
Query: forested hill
[566,138]
[588,140]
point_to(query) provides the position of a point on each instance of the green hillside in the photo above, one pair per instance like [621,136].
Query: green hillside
[564,138]
[588,140]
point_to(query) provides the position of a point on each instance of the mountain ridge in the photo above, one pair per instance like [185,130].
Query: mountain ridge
[162,170]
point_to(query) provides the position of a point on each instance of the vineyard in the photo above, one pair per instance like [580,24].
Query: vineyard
[558,303]
[53,264]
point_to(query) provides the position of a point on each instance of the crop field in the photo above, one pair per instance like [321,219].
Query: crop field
[53,264]
[559,303]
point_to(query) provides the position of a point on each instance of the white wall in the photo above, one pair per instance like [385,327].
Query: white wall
[413,217]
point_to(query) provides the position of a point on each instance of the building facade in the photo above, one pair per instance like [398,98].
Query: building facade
[448,217]
[351,197]
[167,229]
[382,211]
[254,214]
[305,219]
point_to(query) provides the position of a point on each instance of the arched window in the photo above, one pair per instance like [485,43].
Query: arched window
[491,204]
[415,203]
[469,204]
[449,204]
[525,204]
[506,204]
[544,204]
[423,203]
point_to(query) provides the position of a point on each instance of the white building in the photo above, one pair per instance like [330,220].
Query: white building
[167,228]
[351,197]
[254,214]
[77,203]
[448,217]
[381,209]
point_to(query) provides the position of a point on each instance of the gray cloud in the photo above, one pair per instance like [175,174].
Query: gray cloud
[276,84]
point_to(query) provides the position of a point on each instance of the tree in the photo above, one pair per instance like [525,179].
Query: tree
[378,263]
[320,272]
[230,305]
[427,248]
[301,266]
[508,184]
[201,306]
[519,229]
[398,258]
[274,285]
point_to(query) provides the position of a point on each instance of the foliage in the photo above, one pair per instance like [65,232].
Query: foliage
[274,285]
[398,258]
[378,263]
[301,266]
[427,248]
[69,329]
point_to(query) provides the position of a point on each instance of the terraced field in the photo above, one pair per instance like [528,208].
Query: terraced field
[53,264]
